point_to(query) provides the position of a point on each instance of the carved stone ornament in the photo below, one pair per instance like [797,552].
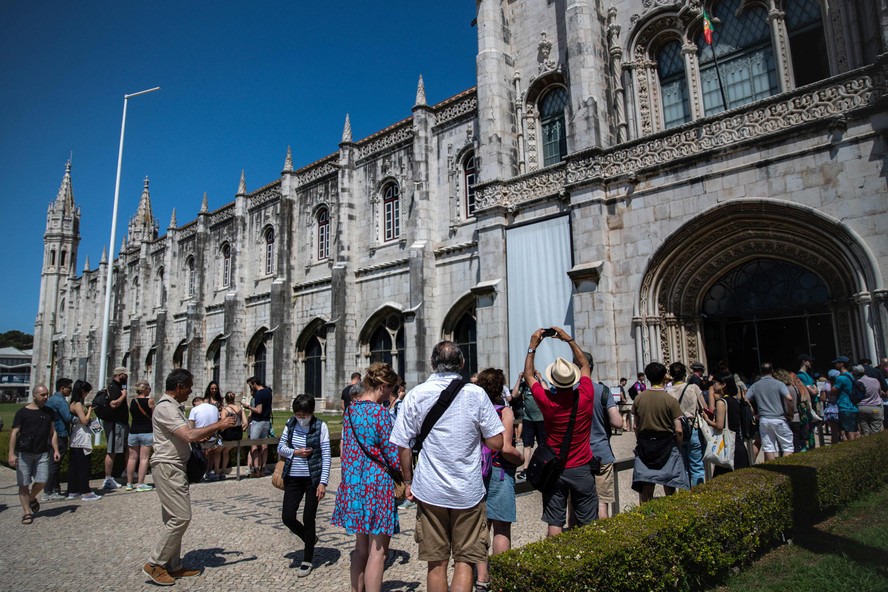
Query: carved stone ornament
[266,195]
[543,50]
[391,136]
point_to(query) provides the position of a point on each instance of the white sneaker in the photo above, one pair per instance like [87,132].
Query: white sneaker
[73,496]
[91,497]
[111,484]
[303,570]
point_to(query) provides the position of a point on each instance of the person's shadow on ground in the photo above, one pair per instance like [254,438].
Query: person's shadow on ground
[324,557]
[214,557]
[399,586]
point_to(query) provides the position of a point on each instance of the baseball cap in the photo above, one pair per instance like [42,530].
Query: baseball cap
[842,359]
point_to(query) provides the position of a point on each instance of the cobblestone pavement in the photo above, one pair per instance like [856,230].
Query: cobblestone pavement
[235,535]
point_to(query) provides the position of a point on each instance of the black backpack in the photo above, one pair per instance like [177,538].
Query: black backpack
[858,392]
[101,403]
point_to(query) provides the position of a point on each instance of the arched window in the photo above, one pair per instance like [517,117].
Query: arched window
[469,178]
[180,356]
[807,43]
[226,265]
[391,201]
[673,85]
[742,43]
[465,336]
[64,259]
[259,361]
[552,120]
[214,359]
[190,276]
[161,289]
[313,368]
[149,363]
[52,258]
[381,349]
[269,251]
[323,234]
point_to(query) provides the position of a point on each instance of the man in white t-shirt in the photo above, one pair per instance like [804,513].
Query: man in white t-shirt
[204,414]
[448,471]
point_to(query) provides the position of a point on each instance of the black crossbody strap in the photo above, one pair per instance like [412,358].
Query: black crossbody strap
[382,464]
[565,444]
[444,401]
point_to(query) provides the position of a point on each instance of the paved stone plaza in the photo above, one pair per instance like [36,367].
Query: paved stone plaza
[236,535]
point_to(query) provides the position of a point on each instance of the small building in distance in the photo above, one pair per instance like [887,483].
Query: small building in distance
[15,374]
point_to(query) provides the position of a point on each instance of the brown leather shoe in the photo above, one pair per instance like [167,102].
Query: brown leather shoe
[184,572]
[158,574]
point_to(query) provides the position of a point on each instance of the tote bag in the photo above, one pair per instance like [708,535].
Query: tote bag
[719,447]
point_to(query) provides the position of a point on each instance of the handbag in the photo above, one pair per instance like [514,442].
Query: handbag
[282,466]
[197,464]
[395,474]
[720,445]
[545,466]
[687,424]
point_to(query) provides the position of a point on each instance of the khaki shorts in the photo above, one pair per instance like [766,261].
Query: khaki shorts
[604,484]
[442,532]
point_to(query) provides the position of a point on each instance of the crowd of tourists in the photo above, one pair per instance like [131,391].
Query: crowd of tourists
[448,447]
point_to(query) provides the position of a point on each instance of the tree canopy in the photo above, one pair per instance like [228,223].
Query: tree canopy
[16,339]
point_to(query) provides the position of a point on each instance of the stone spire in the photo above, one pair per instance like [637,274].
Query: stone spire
[143,227]
[86,264]
[104,258]
[347,131]
[288,162]
[123,246]
[173,219]
[242,186]
[420,93]
[204,205]
[65,199]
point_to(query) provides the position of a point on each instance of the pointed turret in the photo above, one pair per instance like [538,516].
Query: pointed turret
[143,227]
[86,265]
[104,256]
[420,93]
[288,162]
[173,219]
[242,186]
[65,198]
[347,131]
[204,205]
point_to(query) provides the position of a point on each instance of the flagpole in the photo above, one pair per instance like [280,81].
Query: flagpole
[721,87]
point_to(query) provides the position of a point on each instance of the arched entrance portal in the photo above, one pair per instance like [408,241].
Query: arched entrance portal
[755,279]
[767,310]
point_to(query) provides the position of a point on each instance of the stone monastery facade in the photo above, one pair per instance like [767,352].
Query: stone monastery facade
[603,174]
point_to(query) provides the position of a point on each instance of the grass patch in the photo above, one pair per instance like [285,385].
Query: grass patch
[845,552]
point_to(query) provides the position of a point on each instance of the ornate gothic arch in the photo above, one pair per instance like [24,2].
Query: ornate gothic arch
[668,324]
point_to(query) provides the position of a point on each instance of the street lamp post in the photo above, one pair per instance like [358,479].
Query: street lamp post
[103,359]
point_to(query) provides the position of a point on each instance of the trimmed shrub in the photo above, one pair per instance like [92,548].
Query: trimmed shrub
[692,539]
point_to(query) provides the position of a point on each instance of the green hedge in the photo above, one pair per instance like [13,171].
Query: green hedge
[691,540]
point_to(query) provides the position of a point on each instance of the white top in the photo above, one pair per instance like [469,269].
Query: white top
[204,415]
[299,466]
[448,473]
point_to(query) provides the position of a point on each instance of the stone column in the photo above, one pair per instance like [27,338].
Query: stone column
[587,77]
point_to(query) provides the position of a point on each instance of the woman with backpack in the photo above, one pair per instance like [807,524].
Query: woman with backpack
[498,469]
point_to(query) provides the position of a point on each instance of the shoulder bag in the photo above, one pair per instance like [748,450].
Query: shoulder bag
[720,444]
[282,466]
[435,413]
[395,474]
[545,466]
[197,463]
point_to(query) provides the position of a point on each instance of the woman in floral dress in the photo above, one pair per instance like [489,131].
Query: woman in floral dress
[365,500]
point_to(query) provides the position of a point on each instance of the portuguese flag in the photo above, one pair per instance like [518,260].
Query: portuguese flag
[707,28]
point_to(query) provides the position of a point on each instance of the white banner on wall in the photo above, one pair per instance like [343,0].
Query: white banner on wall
[538,257]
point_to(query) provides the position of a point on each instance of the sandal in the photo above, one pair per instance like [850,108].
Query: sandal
[27,518]
[35,506]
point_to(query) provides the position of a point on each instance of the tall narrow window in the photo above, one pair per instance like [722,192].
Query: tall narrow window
[746,65]
[673,85]
[269,251]
[52,258]
[217,363]
[552,120]
[323,234]
[161,289]
[392,211]
[313,368]
[804,23]
[191,274]
[226,265]
[469,177]
[259,360]
[465,336]
[64,259]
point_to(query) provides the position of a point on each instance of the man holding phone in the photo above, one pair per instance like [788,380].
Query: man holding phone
[577,478]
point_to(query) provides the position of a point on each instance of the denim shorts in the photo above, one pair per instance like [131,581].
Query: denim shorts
[259,429]
[31,467]
[140,440]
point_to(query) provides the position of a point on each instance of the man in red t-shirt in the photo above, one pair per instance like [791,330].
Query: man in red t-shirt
[578,478]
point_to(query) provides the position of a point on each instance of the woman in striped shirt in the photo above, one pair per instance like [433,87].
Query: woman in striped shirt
[305,446]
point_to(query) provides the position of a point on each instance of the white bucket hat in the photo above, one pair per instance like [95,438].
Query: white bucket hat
[562,374]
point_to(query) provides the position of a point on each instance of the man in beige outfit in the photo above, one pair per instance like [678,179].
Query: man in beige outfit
[172,447]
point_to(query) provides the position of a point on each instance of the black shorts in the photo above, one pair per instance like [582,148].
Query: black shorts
[530,430]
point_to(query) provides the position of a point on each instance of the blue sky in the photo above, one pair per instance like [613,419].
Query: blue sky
[240,81]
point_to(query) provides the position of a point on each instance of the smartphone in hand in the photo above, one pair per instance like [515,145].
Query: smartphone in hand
[549,333]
